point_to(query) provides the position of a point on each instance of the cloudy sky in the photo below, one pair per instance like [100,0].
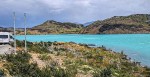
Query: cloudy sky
[78,11]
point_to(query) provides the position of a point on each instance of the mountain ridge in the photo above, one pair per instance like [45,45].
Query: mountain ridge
[136,23]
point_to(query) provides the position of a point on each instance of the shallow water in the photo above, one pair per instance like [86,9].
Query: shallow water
[136,46]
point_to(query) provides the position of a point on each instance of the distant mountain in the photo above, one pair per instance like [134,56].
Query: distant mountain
[88,23]
[2,29]
[137,23]
[11,30]
[54,27]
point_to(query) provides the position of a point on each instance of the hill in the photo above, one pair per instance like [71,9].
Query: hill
[137,23]
[88,23]
[54,27]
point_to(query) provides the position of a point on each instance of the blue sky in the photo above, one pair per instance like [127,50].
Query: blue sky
[78,11]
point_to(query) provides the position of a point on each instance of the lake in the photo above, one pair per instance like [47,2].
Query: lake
[136,46]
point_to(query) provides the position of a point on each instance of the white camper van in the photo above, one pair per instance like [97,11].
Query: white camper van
[6,38]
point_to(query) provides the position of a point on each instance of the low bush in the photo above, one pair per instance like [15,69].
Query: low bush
[45,57]
[22,57]
[2,73]
[104,73]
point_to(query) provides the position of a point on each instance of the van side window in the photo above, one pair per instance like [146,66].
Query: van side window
[3,36]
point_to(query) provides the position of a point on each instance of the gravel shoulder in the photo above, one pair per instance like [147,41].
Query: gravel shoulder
[6,49]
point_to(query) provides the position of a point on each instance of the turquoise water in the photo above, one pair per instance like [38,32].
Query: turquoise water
[136,46]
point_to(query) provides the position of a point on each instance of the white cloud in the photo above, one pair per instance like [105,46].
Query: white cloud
[72,10]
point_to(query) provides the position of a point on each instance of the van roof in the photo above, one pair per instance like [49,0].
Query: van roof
[5,33]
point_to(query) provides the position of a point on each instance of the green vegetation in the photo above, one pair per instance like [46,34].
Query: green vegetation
[104,73]
[2,73]
[69,60]
[19,65]
[37,47]
[45,57]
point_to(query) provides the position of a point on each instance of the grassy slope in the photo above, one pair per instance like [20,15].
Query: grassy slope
[71,60]
[120,24]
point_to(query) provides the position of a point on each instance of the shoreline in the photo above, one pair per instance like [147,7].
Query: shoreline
[103,47]
[86,34]
[122,51]
[93,45]
[136,47]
